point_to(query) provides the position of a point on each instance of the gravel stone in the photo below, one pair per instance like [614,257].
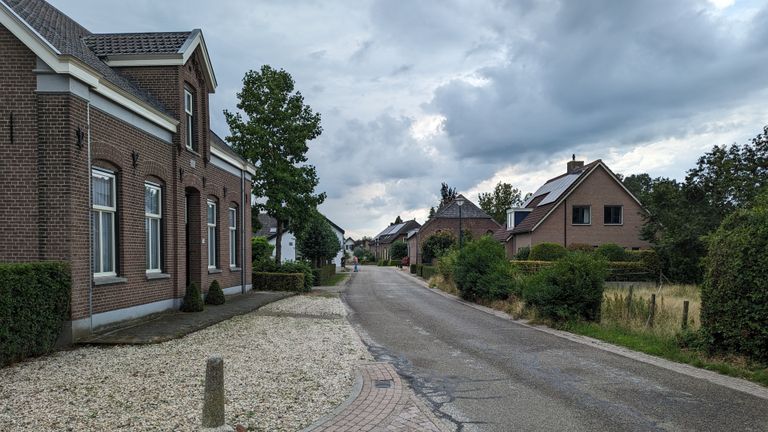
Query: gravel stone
[309,305]
[281,374]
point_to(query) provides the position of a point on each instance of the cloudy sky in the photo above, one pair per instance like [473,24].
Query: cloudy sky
[471,92]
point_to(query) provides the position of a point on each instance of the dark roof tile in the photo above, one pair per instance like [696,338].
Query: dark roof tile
[109,44]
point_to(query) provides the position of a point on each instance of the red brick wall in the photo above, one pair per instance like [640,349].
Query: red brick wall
[478,228]
[18,160]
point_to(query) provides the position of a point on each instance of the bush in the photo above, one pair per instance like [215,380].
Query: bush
[569,289]
[531,267]
[734,296]
[299,267]
[428,271]
[523,253]
[215,294]
[398,250]
[483,272]
[436,246]
[580,247]
[393,263]
[611,252]
[648,257]
[414,268]
[323,274]
[265,281]
[34,302]
[446,264]
[637,271]
[261,254]
[547,252]
[193,300]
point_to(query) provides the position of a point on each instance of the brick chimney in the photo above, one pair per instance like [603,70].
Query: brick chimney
[575,166]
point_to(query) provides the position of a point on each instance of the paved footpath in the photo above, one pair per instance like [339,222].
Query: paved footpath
[380,402]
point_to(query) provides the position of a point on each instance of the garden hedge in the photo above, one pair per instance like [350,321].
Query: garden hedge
[34,303]
[264,281]
[215,294]
[323,274]
[193,299]
[547,252]
[414,268]
[618,271]
[428,271]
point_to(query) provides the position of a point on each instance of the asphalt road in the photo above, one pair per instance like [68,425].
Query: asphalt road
[482,372]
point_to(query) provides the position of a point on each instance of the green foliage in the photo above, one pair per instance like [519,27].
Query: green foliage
[496,203]
[523,253]
[261,253]
[580,247]
[398,250]
[273,136]
[215,294]
[34,301]
[547,252]
[482,271]
[734,297]
[611,252]
[428,271]
[265,281]
[299,267]
[322,275]
[317,240]
[633,271]
[446,264]
[414,268]
[193,300]
[436,246]
[569,289]
[397,221]
[431,213]
[364,255]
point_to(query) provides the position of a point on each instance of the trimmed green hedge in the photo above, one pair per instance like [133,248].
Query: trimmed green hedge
[618,271]
[547,252]
[323,274]
[34,303]
[264,281]
[414,268]
[428,271]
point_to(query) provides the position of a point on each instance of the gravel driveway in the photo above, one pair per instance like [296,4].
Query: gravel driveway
[281,373]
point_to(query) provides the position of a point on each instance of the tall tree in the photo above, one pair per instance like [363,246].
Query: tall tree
[431,213]
[447,194]
[397,221]
[273,136]
[316,241]
[496,203]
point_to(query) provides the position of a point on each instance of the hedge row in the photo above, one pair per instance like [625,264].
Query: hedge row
[34,302]
[390,263]
[323,274]
[264,281]
[424,271]
[618,271]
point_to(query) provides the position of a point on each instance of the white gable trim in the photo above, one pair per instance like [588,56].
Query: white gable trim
[68,65]
[576,186]
[180,58]
[233,161]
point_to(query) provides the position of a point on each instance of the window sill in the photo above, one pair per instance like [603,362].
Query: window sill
[214,270]
[192,151]
[578,224]
[154,276]
[235,269]
[618,224]
[108,280]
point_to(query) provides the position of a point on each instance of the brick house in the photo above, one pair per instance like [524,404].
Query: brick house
[586,205]
[383,241]
[446,219]
[108,163]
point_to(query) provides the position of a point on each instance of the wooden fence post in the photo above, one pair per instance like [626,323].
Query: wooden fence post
[685,314]
[652,315]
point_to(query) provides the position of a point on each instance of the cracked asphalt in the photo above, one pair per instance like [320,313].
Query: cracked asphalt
[480,372]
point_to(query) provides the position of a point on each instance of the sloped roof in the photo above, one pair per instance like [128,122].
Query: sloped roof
[268,224]
[109,44]
[222,145]
[468,211]
[392,232]
[68,37]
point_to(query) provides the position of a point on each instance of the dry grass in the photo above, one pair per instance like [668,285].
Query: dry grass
[443,284]
[619,309]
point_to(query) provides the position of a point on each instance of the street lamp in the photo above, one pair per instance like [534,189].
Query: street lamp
[460,202]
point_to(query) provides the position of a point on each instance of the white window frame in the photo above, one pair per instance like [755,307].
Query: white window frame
[232,221]
[148,218]
[189,119]
[112,211]
[573,211]
[621,214]
[212,244]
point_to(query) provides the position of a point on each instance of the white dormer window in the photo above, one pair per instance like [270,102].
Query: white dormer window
[190,120]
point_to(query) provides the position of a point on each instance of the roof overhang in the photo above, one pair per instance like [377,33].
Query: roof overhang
[232,160]
[65,64]
[179,58]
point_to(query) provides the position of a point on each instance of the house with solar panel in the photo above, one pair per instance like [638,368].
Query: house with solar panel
[588,204]
[381,243]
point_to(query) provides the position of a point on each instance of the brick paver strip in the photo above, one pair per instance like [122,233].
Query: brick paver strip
[172,325]
[379,408]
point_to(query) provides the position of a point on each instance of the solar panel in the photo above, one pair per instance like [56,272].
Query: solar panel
[555,188]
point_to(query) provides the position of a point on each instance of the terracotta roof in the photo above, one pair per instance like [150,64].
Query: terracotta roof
[109,44]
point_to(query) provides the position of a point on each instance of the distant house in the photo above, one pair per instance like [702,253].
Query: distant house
[288,253]
[446,219]
[383,241]
[586,205]
[349,245]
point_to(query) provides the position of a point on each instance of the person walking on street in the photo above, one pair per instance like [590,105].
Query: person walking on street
[354,261]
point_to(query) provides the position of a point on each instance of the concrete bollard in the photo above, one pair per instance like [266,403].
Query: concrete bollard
[213,398]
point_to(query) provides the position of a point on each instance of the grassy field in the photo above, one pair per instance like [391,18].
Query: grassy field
[620,309]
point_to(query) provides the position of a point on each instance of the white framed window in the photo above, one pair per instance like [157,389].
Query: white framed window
[232,237]
[104,209]
[190,120]
[582,215]
[153,214]
[212,246]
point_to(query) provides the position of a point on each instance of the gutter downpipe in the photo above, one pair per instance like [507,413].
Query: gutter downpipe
[90,220]
[243,266]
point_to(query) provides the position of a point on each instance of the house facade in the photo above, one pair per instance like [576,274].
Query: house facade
[289,248]
[396,232]
[586,205]
[473,220]
[107,163]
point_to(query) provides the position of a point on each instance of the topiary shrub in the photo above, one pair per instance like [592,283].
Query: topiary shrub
[215,294]
[193,300]
[547,252]
[734,296]
[611,252]
[414,268]
[569,289]
[265,281]
[482,271]
[523,253]
[34,302]
[580,247]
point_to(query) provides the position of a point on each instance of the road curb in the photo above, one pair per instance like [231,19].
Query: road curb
[732,383]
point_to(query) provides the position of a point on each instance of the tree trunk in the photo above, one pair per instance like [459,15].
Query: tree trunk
[279,242]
